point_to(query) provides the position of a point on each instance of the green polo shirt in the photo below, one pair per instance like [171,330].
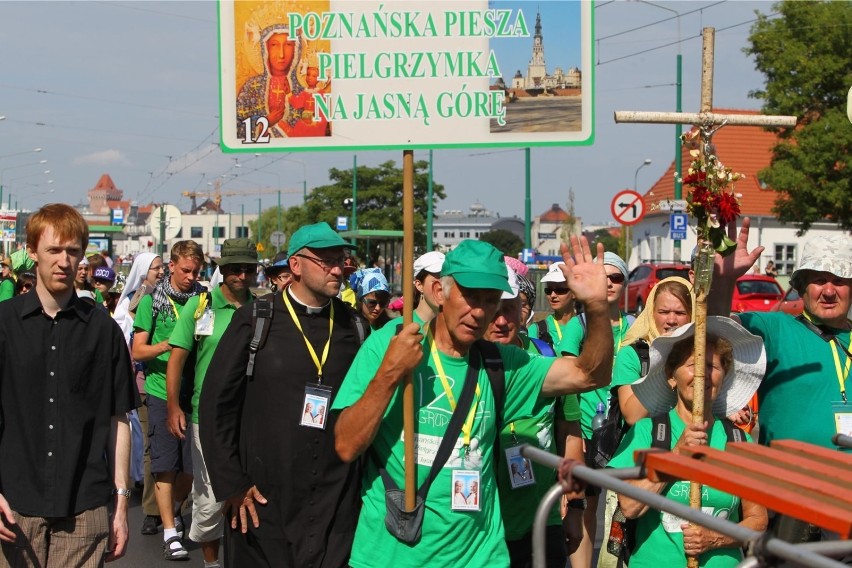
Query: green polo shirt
[184,337]
[159,330]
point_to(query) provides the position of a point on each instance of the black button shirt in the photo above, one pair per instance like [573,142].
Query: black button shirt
[61,382]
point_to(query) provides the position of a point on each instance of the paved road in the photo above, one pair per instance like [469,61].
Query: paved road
[147,551]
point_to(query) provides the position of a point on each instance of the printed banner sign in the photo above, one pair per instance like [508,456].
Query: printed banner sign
[347,74]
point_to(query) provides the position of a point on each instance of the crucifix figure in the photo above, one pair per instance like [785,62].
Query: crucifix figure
[707,123]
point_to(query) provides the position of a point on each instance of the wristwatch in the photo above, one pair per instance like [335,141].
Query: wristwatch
[125,492]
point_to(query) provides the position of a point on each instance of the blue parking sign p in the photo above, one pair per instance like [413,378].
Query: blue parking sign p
[677,226]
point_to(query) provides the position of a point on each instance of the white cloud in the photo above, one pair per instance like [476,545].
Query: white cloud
[105,158]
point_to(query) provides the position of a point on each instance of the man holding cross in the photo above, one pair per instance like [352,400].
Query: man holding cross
[442,359]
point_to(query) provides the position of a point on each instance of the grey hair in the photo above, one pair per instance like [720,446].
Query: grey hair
[447,282]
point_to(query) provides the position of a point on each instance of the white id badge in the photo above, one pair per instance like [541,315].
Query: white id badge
[466,490]
[315,407]
[520,469]
[842,417]
[204,324]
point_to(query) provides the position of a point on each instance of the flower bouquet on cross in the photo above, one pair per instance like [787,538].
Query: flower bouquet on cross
[711,200]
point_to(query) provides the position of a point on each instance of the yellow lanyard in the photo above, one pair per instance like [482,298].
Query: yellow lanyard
[319,364]
[174,307]
[842,374]
[439,368]
[558,329]
[620,334]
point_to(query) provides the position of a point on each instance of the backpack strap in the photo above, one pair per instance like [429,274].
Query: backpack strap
[543,332]
[261,317]
[732,432]
[661,432]
[642,351]
[493,363]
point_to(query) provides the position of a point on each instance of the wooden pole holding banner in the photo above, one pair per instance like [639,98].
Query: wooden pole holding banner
[407,316]
[708,123]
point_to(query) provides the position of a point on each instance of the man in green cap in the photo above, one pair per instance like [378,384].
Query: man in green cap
[202,322]
[267,439]
[467,531]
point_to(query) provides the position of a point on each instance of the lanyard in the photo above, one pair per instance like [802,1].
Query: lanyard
[558,328]
[842,374]
[620,334]
[439,368]
[319,364]
[174,307]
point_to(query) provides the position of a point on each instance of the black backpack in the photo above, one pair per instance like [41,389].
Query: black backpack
[544,332]
[606,439]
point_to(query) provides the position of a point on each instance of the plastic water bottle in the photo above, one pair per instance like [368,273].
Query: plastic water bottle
[600,417]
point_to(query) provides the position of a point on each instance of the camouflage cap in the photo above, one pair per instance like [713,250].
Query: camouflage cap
[831,254]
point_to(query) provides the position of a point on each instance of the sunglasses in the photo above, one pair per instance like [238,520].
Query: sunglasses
[617,278]
[371,303]
[560,291]
[240,268]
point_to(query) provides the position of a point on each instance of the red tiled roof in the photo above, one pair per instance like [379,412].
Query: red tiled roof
[554,215]
[744,149]
[105,182]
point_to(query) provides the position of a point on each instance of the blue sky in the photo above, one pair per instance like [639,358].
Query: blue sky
[131,89]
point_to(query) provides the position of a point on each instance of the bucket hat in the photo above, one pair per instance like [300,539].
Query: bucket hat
[238,251]
[824,254]
[738,385]
[477,264]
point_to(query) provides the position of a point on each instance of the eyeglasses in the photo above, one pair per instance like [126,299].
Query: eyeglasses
[371,303]
[617,278]
[325,263]
[560,291]
[240,268]
[157,268]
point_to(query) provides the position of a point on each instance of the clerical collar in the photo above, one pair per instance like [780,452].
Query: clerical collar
[308,309]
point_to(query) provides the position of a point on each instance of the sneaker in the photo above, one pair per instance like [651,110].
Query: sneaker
[177,552]
[179,526]
[151,524]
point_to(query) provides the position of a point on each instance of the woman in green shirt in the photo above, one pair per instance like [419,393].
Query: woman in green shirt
[735,362]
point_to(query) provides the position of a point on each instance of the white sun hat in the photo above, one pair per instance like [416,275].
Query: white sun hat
[513,284]
[738,385]
[554,273]
[832,254]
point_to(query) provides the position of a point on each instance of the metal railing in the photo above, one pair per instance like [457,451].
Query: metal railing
[760,545]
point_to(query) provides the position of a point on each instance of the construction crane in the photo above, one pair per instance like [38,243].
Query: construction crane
[216,194]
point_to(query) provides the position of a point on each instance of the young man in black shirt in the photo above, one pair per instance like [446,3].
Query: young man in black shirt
[65,388]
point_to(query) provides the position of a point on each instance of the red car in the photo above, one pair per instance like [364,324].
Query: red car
[645,276]
[791,303]
[756,293]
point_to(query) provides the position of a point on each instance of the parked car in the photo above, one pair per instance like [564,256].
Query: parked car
[791,303]
[645,276]
[756,293]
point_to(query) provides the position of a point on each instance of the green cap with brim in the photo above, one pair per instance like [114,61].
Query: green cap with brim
[238,251]
[477,264]
[316,236]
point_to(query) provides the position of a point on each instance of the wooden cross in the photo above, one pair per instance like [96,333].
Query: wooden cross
[708,122]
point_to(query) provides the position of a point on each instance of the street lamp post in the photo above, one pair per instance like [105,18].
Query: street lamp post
[678,182]
[20,153]
[2,171]
[628,240]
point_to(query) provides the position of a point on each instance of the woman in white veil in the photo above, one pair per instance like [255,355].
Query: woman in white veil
[142,277]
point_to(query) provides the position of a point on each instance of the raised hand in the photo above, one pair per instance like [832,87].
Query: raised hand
[584,272]
[734,265]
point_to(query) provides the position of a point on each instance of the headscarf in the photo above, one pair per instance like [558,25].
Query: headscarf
[527,288]
[644,326]
[138,273]
[367,280]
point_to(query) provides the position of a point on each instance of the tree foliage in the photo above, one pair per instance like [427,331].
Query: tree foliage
[805,57]
[379,201]
[610,243]
[505,241]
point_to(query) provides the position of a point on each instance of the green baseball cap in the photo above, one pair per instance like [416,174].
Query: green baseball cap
[316,236]
[477,264]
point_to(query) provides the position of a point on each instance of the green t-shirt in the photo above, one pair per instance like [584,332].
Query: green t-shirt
[627,367]
[572,343]
[450,538]
[519,505]
[184,336]
[161,330]
[557,330]
[7,289]
[659,538]
[801,381]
